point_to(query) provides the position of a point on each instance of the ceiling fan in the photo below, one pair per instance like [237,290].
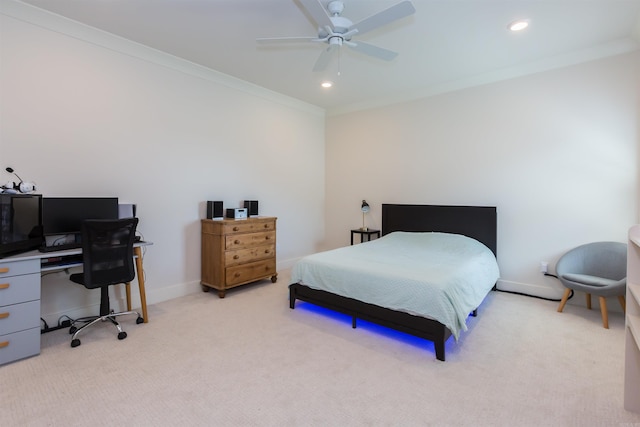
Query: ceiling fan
[335,30]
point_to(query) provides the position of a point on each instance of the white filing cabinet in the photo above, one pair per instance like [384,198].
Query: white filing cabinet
[19,309]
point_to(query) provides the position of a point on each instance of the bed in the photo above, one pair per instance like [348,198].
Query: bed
[336,279]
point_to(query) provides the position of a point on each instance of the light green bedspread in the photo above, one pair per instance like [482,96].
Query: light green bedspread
[436,275]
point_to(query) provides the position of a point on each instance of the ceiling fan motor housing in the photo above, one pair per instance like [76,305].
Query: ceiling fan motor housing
[341,26]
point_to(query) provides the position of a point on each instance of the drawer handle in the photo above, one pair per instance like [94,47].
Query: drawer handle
[266,226]
[236,228]
[236,256]
[4,315]
[4,269]
[237,275]
[4,285]
[267,251]
[236,242]
[4,344]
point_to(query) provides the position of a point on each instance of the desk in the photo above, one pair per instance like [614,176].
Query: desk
[20,297]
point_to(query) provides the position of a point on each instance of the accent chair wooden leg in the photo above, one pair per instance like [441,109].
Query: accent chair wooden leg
[588,301]
[565,298]
[623,303]
[603,310]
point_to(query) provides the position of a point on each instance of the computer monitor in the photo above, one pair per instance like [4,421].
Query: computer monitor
[64,215]
[20,223]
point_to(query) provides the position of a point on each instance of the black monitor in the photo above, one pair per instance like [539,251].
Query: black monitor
[64,215]
[20,223]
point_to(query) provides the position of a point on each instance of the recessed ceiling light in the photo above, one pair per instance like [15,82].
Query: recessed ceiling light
[519,25]
[326,84]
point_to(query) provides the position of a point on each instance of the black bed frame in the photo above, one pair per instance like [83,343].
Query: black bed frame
[478,222]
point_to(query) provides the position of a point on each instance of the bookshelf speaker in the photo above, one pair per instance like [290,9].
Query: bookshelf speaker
[214,210]
[252,207]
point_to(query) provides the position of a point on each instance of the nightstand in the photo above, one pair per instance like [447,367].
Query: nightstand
[365,233]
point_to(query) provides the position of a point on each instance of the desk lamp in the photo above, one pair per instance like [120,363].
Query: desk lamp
[365,208]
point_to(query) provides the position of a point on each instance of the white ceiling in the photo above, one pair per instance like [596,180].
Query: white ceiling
[446,44]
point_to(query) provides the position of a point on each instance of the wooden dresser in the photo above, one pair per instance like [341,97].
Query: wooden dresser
[237,251]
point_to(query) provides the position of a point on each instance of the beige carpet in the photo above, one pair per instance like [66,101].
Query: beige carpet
[249,360]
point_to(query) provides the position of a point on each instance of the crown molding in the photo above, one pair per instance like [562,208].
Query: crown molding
[50,21]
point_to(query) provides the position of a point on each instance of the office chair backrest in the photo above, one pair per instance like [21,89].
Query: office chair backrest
[107,251]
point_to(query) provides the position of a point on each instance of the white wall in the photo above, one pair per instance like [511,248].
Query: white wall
[86,114]
[556,152]
[83,113]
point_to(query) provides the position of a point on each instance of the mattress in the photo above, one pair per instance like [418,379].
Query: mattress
[440,276]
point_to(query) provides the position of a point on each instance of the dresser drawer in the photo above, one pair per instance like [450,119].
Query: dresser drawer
[19,289]
[18,317]
[240,241]
[248,227]
[249,272]
[16,268]
[243,256]
[19,345]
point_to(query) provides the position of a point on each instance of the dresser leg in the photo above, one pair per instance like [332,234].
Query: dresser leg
[205,288]
[274,278]
[221,294]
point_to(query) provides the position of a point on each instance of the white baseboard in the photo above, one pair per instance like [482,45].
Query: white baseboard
[166,293]
[530,289]
[117,300]
[287,264]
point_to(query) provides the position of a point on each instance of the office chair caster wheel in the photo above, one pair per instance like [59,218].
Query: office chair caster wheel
[122,335]
[72,330]
[75,343]
[139,320]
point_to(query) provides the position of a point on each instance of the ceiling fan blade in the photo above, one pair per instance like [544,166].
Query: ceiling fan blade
[265,40]
[393,13]
[371,50]
[325,58]
[317,12]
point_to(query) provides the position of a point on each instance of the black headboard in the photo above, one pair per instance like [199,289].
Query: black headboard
[477,222]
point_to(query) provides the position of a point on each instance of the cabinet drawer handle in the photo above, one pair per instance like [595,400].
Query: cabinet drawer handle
[4,344]
[236,228]
[267,238]
[4,315]
[236,242]
[266,226]
[4,285]
[237,275]
[236,256]
[267,251]
[4,269]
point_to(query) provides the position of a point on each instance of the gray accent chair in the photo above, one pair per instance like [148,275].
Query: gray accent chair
[598,268]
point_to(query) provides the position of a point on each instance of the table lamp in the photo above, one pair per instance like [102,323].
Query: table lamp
[365,208]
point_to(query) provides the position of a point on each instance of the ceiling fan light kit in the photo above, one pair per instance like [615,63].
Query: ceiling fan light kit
[336,30]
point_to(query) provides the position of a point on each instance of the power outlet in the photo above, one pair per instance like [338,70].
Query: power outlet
[544,267]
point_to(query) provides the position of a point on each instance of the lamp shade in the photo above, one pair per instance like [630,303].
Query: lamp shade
[365,206]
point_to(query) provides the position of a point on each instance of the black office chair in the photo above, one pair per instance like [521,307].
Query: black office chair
[107,252]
